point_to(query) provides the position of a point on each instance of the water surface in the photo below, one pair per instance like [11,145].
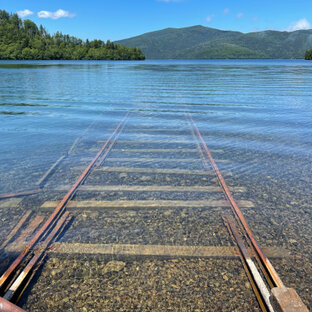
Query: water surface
[255,115]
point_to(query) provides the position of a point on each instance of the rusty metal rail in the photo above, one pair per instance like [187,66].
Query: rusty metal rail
[15,229]
[266,262]
[38,253]
[18,275]
[54,223]
[7,306]
[20,194]
[279,298]
[261,290]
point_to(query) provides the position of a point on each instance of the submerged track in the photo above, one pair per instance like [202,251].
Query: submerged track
[129,160]
[8,285]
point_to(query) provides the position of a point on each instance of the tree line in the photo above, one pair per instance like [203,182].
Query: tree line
[308,55]
[23,40]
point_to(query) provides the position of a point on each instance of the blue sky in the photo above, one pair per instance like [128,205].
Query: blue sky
[119,19]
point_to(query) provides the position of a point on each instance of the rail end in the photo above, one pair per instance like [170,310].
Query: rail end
[286,300]
[7,306]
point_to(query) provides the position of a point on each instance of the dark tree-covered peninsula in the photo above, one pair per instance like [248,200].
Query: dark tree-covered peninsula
[23,40]
[308,55]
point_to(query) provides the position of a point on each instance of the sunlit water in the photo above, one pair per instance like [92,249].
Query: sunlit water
[254,115]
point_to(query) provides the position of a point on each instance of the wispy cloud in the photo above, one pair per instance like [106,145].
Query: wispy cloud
[55,15]
[226,11]
[209,18]
[24,13]
[299,25]
[239,15]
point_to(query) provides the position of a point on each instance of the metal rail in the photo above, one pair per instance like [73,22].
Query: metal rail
[56,215]
[261,290]
[265,261]
[42,181]
[39,252]
[60,217]
[45,177]
[20,194]
[15,229]
[7,306]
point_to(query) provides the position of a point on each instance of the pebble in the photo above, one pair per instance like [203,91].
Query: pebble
[54,272]
[168,212]
[114,266]
[292,241]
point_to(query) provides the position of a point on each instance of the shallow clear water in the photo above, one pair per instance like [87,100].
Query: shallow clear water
[255,116]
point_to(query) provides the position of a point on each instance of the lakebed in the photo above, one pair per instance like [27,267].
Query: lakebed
[255,116]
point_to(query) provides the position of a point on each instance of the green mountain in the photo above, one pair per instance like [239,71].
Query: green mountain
[199,42]
[23,40]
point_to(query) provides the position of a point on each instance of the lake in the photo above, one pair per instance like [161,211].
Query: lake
[254,115]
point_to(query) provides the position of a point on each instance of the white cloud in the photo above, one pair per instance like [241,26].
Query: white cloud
[299,25]
[24,13]
[209,18]
[55,15]
[226,11]
[239,15]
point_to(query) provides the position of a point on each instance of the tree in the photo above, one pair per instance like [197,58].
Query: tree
[31,28]
[308,55]
[4,16]
[25,41]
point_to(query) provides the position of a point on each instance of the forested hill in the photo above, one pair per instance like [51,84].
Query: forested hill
[25,41]
[199,42]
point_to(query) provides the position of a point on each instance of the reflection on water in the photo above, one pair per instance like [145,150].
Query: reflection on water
[12,113]
[255,117]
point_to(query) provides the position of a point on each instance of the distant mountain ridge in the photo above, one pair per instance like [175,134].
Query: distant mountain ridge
[199,42]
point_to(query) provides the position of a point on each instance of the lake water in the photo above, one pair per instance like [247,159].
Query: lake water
[255,116]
